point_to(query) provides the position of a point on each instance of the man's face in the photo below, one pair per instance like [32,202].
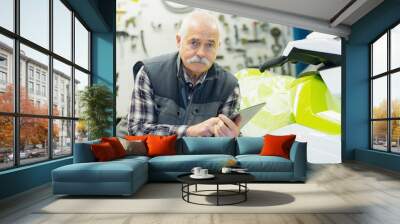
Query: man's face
[198,48]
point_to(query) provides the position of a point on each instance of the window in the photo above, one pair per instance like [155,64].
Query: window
[7,14]
[62,29]
[6,72]
[3,72]
[38,89]
[44,91]
[81,45]
[30,72]
[54,126]
[385,95]
[30,88]
[3,78]
[35,22]
[37,74]
[62,74]
[3,61]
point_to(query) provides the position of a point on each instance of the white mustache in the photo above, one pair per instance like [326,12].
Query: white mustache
[198,59]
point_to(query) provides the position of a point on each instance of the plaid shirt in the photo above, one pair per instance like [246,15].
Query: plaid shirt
[142,118]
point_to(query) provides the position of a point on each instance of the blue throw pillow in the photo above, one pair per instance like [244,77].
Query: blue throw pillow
[208,145]
[249,145]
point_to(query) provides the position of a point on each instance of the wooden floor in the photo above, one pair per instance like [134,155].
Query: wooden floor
[377,188]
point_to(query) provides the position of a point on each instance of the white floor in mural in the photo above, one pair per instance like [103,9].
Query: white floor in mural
[321,148]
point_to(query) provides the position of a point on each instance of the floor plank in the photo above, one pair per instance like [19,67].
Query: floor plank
[377,189]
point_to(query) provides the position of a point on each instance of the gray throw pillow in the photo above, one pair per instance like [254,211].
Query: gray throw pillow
[136,147]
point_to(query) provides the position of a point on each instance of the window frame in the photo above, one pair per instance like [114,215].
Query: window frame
[388,74]
[16,114]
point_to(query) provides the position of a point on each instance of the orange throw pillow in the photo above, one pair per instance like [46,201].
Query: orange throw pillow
[161,145]
[277,145]
[116,145]
[136,137]
[103,151]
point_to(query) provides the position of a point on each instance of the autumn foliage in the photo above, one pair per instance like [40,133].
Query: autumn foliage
[33,130]
[380,127]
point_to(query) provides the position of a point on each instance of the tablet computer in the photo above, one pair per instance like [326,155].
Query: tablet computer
[248,113]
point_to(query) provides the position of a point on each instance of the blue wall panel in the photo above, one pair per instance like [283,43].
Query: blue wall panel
[103,64]
[24,178]
[356,93]
[100,17]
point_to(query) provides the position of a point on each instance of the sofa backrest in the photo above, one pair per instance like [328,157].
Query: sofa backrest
[206,145]
[249,145]
[83,152]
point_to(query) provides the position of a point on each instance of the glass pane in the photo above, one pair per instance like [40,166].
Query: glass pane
[81,81]
[81,45]
[395,136]
[7,14]
[33,139]
[379,97]
[379,135]
[395,94]
[62,89]
[6,142]
[379,55]
[62,29]
[395,47]
[81,131]
[62,138]
[34,97]
[6,74]
[35,21]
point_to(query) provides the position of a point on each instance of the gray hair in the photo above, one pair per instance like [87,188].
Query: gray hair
[193,16]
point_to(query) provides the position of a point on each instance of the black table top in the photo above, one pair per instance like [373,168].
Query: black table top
[220,178]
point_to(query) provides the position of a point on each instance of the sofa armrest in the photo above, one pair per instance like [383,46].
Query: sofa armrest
[298,155]
[83,152]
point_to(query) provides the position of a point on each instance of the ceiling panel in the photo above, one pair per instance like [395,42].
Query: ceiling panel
[314,15]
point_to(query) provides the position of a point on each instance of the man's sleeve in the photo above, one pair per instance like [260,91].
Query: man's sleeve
[142,118]
[232,105]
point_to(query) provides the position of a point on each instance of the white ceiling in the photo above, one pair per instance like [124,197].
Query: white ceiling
[317,15]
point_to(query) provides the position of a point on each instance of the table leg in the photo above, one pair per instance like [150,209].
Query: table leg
[217,194]
[245,193]
[196,188]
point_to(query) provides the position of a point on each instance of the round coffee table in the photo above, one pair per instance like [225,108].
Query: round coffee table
[238,179]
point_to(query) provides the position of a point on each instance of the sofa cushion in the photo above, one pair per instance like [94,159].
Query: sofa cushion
[134,147]
[275,145]
[207,145]
[116,145]
[249,145]
[103,151]
[185,163]
[112,171]
[257,163]
[161,145]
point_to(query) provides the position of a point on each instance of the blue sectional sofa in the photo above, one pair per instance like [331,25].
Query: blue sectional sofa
[125,176]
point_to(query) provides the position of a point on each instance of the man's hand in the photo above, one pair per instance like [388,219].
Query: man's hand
[204,129]
[226,127]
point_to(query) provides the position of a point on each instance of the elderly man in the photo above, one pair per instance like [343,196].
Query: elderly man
[186,93]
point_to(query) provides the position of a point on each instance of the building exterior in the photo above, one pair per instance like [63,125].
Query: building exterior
[35,80]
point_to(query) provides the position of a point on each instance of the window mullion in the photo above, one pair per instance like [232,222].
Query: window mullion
[389,105]
[73,82]
[50,81]
[16,84]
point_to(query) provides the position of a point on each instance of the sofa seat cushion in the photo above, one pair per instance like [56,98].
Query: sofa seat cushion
[112,171]
[257,163]
[185,163]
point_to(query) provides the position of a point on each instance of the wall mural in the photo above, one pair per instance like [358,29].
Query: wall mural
[307,104]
